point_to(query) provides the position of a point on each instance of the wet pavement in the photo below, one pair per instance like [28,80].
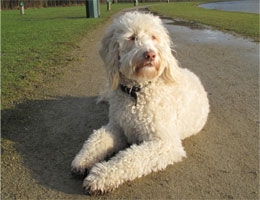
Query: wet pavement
[193,32]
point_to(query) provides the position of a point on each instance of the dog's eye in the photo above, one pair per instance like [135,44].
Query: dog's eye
[153,37]
[132,38]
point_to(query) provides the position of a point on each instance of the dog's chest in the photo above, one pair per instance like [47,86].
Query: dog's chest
[135,118]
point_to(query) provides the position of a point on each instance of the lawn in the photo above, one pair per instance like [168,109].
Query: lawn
[34,45]
[245,24]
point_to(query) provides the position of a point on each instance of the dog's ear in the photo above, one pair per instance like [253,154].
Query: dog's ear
[171,69]
[168,61]
[110,55]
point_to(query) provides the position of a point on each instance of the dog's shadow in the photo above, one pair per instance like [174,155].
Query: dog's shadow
[49,133]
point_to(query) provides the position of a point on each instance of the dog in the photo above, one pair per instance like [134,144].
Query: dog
[153,105]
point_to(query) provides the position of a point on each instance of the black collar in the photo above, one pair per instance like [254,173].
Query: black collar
[130,90]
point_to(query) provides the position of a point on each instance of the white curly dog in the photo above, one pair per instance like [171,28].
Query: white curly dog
[154,104]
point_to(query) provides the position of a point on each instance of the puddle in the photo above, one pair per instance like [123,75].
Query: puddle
[178,22]
[171,21]
[185,34]
[195,32]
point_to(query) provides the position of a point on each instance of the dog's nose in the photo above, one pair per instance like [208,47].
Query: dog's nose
[149,55]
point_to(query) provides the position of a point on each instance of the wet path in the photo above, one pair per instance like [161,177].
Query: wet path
[194,33]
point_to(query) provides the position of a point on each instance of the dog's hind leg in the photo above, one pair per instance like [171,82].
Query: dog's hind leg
[134,162]
[101,144]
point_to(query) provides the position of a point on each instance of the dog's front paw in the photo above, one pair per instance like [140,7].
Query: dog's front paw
[93,185]
[78,169]
[89,191]
[100,180]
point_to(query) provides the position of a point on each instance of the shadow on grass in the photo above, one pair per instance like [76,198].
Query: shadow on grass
[49,133]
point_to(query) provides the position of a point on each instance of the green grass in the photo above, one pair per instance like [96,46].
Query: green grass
[34,45]
[244,24]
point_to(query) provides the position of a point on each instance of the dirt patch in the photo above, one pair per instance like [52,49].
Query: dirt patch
[41,137]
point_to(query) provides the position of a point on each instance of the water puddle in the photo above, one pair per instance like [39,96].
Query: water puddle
[179,22]
[185,33]
[195,32]
[190,24]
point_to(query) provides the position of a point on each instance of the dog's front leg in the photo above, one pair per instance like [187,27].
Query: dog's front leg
[135,161]
[102,143]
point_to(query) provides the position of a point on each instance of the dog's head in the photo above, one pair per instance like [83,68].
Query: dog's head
[137,46]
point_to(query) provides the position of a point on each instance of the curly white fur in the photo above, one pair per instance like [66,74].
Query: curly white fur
[143,133]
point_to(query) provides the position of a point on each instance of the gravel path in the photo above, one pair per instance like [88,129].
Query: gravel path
[41,137]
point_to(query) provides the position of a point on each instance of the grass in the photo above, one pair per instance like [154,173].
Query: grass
[245,24]
[34,45]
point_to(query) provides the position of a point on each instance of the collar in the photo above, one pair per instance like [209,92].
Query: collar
[131,90]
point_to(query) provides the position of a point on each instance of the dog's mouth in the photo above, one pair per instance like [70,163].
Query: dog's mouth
[147,69]
[143,65]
